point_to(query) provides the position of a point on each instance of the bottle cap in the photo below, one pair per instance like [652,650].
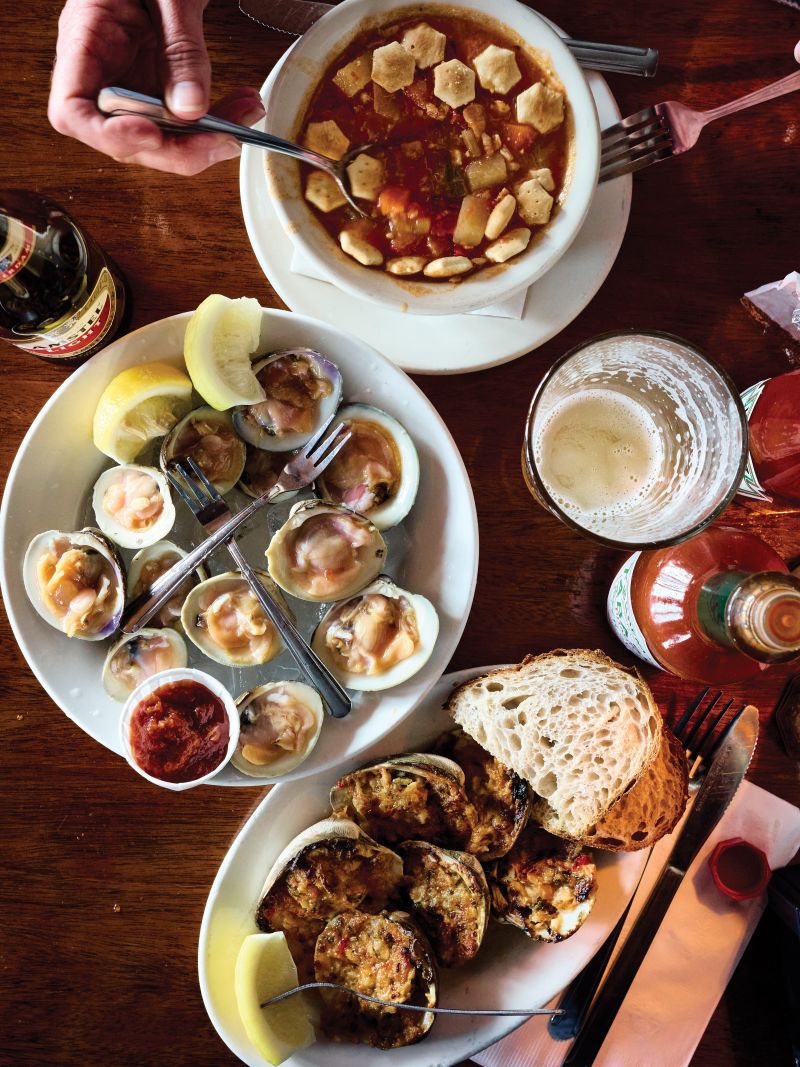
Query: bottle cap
[740,870]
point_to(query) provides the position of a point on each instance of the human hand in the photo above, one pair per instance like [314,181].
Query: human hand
[797,51]
[155,47]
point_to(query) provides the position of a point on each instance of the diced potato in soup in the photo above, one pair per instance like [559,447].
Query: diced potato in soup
[469,137]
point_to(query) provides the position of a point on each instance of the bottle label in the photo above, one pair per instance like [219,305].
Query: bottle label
[16,249]
[750,485]
[620,613]
[83,330]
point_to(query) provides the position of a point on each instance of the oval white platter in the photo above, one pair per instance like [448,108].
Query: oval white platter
[448,344]
[434,552]
[510,971]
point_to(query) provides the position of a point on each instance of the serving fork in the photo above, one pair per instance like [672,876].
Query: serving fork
[697,735]
[208,507]
[670,128]
[301,470]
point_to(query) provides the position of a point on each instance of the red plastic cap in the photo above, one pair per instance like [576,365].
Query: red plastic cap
[740,870]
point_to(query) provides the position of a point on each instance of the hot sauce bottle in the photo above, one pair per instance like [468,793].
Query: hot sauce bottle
[60,296]
[717,608]
[773,409]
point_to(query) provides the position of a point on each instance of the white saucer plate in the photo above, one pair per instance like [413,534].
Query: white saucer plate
[434,552]
[447,344]
[510,971]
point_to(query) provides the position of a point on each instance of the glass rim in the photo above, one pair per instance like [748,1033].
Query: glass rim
[551,505]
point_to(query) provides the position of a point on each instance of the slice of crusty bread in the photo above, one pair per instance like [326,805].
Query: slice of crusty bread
[651,807]
[576,725]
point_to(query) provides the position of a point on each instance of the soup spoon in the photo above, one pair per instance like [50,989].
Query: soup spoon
[116,101]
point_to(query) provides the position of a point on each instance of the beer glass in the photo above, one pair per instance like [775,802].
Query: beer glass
[635,439]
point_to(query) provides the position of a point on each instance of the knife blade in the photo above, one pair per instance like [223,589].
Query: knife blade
[294,17]
[724,777]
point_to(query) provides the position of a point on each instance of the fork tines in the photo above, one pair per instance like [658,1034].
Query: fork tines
[634,143]
[698,737]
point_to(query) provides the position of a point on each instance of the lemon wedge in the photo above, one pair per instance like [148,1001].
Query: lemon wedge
[220,338]
[264,968]
[138,405]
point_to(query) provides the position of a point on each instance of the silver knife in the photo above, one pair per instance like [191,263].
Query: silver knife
[721,782]
[296,16]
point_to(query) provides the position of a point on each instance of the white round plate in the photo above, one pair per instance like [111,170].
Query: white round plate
[434,552]
[448,344]
[510,971]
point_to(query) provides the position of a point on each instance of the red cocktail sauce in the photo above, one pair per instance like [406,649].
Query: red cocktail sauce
[180,732]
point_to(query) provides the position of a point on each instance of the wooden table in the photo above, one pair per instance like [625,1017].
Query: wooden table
[104,878]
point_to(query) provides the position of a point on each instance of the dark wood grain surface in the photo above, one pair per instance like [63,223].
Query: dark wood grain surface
[104,878]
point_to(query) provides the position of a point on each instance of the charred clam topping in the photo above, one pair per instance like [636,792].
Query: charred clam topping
[325,552]
[302,390]
[545,886]
[139,656]
[133,506]
[208,437]
[261,471]
[379,638]
[223,618]
[280,724]
[384,956]
[499,796]
[76,582]
[412,796]
[449,898]
[377,471]
[150,564]
[329,868]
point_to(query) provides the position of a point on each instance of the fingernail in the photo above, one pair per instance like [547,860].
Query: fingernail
[148,142]
[186,96]
[227,150]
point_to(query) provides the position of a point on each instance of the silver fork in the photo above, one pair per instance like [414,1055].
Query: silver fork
[670,128]
[301,470]
[698,741]
[202,498]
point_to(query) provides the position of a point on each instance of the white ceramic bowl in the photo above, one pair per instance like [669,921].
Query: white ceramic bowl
[156,681]
[285,100]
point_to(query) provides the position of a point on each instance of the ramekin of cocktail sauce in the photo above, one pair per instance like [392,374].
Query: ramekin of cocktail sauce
[179,728]
[740,870]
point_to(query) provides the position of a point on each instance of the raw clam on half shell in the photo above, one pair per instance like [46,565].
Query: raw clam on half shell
[280,724]
[223,618]
[141,655]
[148,565]
[76,582]
[133,506]
[208,437]
[378,638]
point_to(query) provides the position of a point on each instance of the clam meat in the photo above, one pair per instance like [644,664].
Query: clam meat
[262,470]
[139,656]
[449,898]
[416,796]
[329,868]
[150,563]
[76,582]
[385,956]
[207,436]
[377,471]
[378,638]
[544,886]
[133,505]
[224,619]
[280,724]
[302,390]
[325,552]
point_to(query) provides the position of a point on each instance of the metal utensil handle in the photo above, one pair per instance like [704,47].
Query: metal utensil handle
[336,699]
[615,58]
[116,101]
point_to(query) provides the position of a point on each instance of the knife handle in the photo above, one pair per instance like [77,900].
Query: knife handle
[623,971]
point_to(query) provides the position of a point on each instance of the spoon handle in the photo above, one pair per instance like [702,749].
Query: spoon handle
[116,101]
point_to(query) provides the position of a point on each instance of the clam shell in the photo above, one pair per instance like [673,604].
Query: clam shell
[454,943]
[114,686]
[252,421]
[122,535]
[427,625]
[167,615]
[300,691]
[394,508]
[371,556]
[94,541]
[219,584]
[207,415]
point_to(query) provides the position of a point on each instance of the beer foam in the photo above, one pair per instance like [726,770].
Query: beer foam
[599,454]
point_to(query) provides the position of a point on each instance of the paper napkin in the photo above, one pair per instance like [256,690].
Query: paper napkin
[692,959]
[512,308]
